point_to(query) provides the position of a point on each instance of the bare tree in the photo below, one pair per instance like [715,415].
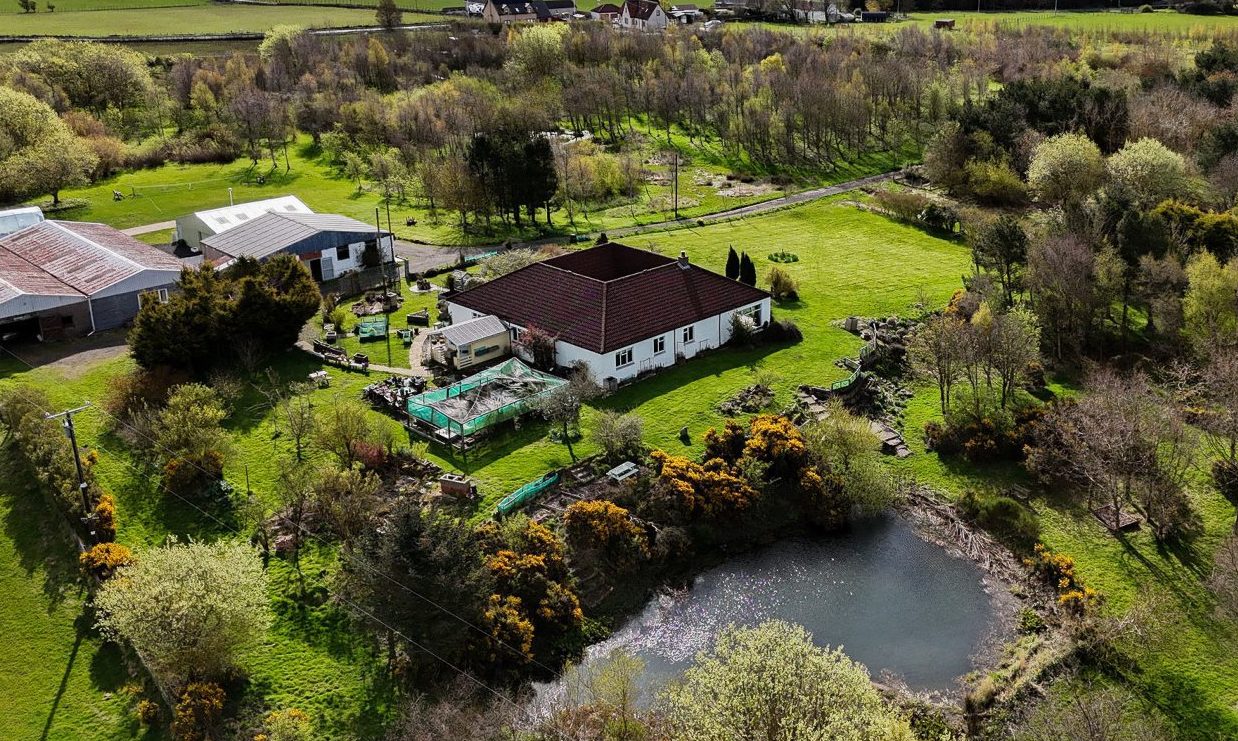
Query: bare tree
[562,405]
[937,353]
[297,412]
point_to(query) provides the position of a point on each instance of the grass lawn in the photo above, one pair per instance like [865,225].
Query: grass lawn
[1159,22]
[163,193]
[55,672]
[187,19]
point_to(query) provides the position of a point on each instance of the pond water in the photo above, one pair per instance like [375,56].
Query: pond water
[895,602]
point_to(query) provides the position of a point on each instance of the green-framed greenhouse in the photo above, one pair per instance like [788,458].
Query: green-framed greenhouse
[482,400]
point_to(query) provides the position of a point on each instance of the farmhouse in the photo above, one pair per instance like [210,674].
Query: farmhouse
[685,14]
[330,245]
[643,15]
[622,311]
[527,12]
[605,12]
[65,278]
[195,227]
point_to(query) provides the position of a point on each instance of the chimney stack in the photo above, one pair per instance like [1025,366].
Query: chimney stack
[683,260]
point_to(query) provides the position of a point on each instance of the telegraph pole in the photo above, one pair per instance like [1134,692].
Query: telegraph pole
[71,433]
[675,183]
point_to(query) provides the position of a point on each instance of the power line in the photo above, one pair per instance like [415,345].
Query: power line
[309,535]
[226,527]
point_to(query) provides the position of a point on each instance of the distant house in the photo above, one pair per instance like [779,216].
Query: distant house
[330,245]
[65,278]
[528,12]
[606,12]
[19,218]
[470,343]
[191,229]
[685,14]
[622,311]
[643,15]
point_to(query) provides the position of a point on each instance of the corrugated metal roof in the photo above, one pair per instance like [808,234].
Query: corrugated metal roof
[228,217]
[84,256]
[270,233]
[466,333]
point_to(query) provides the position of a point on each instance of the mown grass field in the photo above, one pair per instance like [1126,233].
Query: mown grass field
[851,262]
[163,193]
[194,20]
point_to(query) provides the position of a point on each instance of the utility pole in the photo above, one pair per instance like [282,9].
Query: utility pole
[71,433]
[675,183]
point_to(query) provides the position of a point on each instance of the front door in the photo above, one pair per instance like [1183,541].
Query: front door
[316,269]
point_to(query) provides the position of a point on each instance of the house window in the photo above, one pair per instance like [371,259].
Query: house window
[689,334]
[515,333]
[623,358]
[161,295]
[753,313]
[343,253]
[659,345]
[462,350]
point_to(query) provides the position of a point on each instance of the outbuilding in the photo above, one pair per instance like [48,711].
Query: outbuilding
[195,227]
[470,343]
[66,278]
[330,245]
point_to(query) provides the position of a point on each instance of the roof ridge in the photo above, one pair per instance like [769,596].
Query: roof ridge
[36,266]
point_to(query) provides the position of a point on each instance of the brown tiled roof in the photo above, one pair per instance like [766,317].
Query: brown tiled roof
[642,9]
[87,257]
[608,297]
[605,8]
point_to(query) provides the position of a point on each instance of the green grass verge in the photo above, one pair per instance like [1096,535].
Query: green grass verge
[55,673]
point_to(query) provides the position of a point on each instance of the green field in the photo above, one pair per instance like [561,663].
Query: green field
[187,19]
[163,193]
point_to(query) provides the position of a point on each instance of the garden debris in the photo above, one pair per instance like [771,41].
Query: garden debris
[1122,522]
[749,400]
[377,303]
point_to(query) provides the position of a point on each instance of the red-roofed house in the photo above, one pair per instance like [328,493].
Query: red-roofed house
[605,12]
[620,310]
[643,15]
[60,278]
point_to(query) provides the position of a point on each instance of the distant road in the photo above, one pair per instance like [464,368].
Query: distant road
[134,231]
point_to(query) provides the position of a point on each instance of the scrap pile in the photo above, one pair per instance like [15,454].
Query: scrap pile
[393,393]
[376,302]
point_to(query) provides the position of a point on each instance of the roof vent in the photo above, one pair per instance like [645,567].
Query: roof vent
[683,260]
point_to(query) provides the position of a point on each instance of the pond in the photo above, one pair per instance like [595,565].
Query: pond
[895,602]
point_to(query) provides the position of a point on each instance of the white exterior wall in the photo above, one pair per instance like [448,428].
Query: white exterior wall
[192,230]
[333,267]
[708,334]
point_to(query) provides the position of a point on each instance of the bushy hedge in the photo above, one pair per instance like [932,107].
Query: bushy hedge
[1007,520]
[984,440]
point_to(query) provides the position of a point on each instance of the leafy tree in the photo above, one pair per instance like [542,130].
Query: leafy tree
[288,725]
[771,682]
[845,446]
[347,500]
[340,426]
[1149,171]
[1210,308]
[1001,247]
[86,75]
[272,300]
[538,346]
[189,609]
[1014,345]
[732,263]
[562,405]
[618,435]
[747,271]
[1066,168]
[38,152]
[439,560]
[190,423]
[388,15]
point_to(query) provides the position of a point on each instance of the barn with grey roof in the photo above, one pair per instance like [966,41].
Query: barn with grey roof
[64,278]
[329,244]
